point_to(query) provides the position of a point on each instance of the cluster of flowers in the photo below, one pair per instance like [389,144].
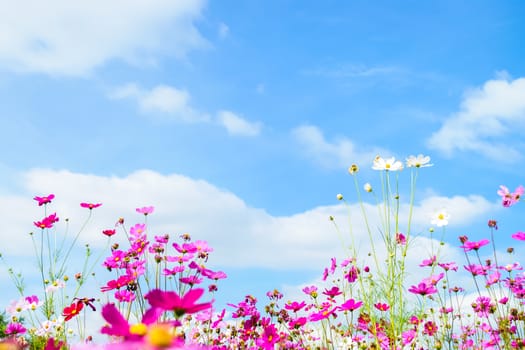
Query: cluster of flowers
[152,300]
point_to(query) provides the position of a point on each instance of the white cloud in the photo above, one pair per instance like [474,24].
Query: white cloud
[488,118]
[236,125]
[340,153]
[238,232]
[162,100]
[224,31]
[61,37]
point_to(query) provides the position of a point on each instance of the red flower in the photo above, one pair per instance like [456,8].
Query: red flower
[109,233]
[382,306]
[44,200]
[72,310]
[90,205]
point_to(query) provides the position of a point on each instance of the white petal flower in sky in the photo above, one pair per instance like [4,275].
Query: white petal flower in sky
[388,164]
[440,218]
[420,161]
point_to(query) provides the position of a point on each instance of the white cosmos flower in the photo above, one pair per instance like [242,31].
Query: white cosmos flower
[367,187]
[440,218]
[420,161]
[388,164]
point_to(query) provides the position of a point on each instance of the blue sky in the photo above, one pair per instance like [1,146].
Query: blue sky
[238,120]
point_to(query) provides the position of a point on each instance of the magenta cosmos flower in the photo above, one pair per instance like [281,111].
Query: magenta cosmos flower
[44,200]
[468,246]
[119,326]
[171,301]
[90,205]
[423,289]
[520,236]
[47,222]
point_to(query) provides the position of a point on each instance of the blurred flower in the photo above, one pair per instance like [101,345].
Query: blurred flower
[90,205]
[440,218]
[72,310]
[145,210]
[353,169]
[520,236]
[367,187]
[389,164]
[44,200]
[109,233]
[420,161]
[468,246]
[508,198]
[171,301]
[47,222]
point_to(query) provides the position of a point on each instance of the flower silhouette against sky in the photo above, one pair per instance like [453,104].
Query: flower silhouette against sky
[44,200]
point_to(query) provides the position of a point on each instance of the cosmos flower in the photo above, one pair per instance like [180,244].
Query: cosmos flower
[180,305]
[388,164]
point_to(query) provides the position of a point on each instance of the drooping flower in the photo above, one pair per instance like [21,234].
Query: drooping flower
[420,161]
[90,206]
[44,200]
[388,164]
[401,238]
[440,218]
[180,305]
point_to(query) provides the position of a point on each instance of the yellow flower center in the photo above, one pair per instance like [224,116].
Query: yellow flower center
[138,329]
[441,216]
[160,336]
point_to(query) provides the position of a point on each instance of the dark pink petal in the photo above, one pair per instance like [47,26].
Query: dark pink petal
[117,323]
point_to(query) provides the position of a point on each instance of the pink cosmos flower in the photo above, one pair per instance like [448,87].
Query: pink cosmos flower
[401,239]
[352,274]
[332,292]
[47,222]
[520,236]
[44,200]
[508,198]
[119,326]
[90,206]
[122,281]
[15,328]
[468,246]
[434,279]
[180,305]
[311,291]
[428,262]
[125,296]
[430,328]
[408,336]
[294,305]
[145,210]
[268,338]
[423,289]
[350,305]
[185,248]
[382,306]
